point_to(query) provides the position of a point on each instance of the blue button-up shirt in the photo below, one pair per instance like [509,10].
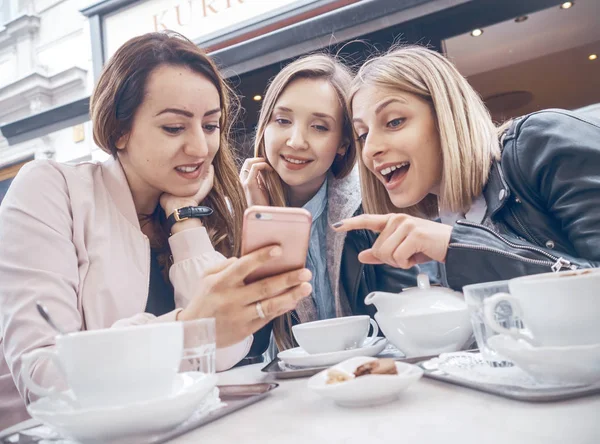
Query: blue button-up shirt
[316,261]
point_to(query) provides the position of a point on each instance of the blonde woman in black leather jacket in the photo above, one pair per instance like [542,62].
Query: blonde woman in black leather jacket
[522,200]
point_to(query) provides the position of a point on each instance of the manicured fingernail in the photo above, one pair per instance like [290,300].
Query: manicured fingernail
[337,224]
[276,252]
[305,275]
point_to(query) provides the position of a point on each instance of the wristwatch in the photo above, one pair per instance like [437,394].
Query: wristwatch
[186,213]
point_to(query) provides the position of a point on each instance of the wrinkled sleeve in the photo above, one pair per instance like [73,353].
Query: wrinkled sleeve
[193,254]
[556,158]
[38,262]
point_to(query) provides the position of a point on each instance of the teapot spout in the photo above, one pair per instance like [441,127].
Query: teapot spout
[386,302]
[371,298]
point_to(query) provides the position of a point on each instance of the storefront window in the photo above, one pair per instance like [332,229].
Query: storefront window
[7,175]
[73,144]
[4,188]
[6,11]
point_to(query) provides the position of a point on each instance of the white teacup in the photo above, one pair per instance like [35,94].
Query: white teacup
[559,309]
[333,335]
[113,366]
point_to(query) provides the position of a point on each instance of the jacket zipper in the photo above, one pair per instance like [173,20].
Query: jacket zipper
[528,234]
[357,281]
[295,317]
[555,263]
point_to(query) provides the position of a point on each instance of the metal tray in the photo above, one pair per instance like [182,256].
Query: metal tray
[280,370]
[513,392]
[235,397]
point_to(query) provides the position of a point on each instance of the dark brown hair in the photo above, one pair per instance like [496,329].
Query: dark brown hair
[120,92]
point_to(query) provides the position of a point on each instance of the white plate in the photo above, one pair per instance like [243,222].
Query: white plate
[365,390]
[299,358]
[105,423]
[552,365]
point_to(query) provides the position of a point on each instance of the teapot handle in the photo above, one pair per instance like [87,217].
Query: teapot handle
[374,335]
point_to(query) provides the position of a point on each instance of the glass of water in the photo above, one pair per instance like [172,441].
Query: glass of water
[199,346]
[474,297]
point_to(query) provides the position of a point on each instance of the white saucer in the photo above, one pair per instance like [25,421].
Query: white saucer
[553,365]
[105,423]
[365,390]
[299,358]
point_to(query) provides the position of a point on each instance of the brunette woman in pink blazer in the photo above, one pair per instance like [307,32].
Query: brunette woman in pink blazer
[95,243]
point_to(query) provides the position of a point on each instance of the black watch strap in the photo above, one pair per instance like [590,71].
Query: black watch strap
[186,213]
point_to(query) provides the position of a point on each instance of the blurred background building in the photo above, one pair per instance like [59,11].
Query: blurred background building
[521,55]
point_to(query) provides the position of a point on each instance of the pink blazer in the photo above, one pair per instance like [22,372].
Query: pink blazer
[70,237]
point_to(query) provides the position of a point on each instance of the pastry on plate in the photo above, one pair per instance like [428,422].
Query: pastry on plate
[335,376]
[384,366]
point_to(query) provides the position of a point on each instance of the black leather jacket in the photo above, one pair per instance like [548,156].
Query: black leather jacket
[543,204]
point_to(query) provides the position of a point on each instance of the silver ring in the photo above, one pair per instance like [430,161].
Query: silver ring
[259,310]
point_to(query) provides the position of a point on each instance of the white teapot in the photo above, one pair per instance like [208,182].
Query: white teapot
[423,321]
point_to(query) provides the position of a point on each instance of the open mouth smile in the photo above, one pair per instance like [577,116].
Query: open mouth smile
[294,163]
[191,171]
[393,174]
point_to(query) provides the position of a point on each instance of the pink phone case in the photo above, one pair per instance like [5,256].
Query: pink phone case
[288,227]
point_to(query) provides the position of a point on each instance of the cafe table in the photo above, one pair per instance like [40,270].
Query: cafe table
[428,412]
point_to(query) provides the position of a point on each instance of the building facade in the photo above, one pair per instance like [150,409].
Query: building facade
[52,51]
[45,62]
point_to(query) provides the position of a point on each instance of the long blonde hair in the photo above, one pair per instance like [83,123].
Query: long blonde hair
[119,93]
[314,66]
[468,137]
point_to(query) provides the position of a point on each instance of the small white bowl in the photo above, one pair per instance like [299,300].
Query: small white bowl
[365,390]
[552,365]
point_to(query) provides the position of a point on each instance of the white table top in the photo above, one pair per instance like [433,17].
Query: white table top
[429,412]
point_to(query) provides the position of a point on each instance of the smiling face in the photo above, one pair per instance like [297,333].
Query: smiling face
[400,142]
[174,135]
[304,135]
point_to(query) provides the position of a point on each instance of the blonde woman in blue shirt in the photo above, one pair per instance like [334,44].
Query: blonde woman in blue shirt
[305,156]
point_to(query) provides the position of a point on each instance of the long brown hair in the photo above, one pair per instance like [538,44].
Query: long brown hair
[119,93]
[314,66]
[468,137]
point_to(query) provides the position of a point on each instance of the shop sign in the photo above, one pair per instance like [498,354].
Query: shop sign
[196,19]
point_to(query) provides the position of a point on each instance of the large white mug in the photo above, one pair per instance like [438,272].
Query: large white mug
[337,334]
[559,309]
[114,366]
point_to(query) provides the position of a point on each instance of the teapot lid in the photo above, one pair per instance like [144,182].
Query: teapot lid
[424,286]
[419,300]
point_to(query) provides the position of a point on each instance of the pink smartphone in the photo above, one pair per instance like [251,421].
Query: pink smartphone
[288,227]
